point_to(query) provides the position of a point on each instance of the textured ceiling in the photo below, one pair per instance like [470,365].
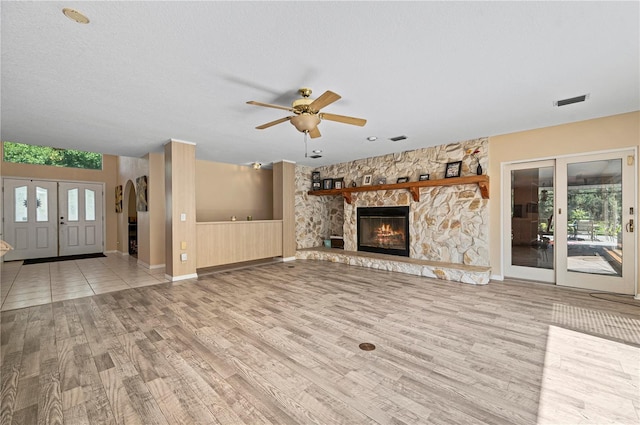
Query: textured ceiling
[438,72]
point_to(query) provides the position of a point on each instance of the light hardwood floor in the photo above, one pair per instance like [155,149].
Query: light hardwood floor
[279,343]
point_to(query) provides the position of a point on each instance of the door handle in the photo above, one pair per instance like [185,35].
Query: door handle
[62,222]
[629,226]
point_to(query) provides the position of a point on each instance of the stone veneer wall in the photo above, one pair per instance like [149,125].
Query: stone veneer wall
[448,224]
[317,217]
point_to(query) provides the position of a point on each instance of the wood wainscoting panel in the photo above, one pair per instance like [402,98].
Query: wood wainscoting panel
[228,242]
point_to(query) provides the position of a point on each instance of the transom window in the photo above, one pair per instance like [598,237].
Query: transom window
[22,153]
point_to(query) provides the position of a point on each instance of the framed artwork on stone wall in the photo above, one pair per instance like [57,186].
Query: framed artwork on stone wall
[453,169]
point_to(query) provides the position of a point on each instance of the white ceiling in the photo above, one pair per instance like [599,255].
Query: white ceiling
[141,73]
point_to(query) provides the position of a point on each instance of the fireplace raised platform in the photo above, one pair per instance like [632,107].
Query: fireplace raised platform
[476,275]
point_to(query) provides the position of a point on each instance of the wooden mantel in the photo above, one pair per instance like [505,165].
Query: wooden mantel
[413,187]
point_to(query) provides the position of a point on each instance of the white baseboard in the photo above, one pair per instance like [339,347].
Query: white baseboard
[637,297]
[143,264]
[156,266]
[112,251]
[284,259]
[183,277]
[497,277]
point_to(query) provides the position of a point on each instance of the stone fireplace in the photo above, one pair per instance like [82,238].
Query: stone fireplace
[383,230]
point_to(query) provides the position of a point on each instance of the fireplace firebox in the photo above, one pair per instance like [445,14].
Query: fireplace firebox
[384,230]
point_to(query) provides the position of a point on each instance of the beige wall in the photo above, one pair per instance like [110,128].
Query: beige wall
[108,176]
[157,207]
[223,190]
[180,199]
[614,132]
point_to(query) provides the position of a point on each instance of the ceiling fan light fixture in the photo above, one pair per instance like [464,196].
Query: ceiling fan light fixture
[305,122]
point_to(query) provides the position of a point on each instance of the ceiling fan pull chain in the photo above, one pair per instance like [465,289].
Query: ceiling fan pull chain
[305,143]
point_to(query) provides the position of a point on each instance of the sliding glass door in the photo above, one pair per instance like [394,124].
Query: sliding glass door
[570,221]
[596,207]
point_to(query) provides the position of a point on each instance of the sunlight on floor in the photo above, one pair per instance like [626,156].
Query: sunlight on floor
[588,380]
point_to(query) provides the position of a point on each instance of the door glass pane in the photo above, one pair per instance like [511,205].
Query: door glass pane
[20,196]
[532,228]
[72,204]
[89,204]
[594,227]
[42,204]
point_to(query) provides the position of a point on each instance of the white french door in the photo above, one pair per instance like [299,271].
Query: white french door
[80,212]
[570,221]
[49,218]
[29,213]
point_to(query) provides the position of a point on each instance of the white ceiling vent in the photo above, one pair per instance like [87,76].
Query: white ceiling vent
[571,100]
[397,138]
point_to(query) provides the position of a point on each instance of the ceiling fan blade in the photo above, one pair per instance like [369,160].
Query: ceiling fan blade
[344,119]
[272,123]
[314,133]
[325,99]
[268,105]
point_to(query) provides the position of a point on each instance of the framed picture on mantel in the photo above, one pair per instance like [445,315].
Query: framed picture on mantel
[453,169]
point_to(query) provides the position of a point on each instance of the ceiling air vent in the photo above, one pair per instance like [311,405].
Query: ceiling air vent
[571,100]
[315,156]
[397,138]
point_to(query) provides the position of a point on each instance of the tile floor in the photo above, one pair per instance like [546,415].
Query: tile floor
[25,286]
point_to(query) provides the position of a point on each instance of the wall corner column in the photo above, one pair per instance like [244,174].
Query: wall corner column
[180,210]
[284,176]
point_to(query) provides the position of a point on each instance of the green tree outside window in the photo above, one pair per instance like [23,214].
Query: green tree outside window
[44,155]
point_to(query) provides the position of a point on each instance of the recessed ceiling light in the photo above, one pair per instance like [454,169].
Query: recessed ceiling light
[75,15]
[317,151]
[372,138]
[257,165]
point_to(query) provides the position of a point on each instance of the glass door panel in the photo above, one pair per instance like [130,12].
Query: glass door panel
[594,217]
[596,199]
[530,233]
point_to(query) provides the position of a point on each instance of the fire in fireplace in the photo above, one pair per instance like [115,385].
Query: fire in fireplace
[384,230]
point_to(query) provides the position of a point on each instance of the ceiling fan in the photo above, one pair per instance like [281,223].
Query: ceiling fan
[307,113]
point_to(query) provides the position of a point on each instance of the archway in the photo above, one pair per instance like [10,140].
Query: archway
[131,219]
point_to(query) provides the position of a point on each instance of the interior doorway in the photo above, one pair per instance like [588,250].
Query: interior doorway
[132,220]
